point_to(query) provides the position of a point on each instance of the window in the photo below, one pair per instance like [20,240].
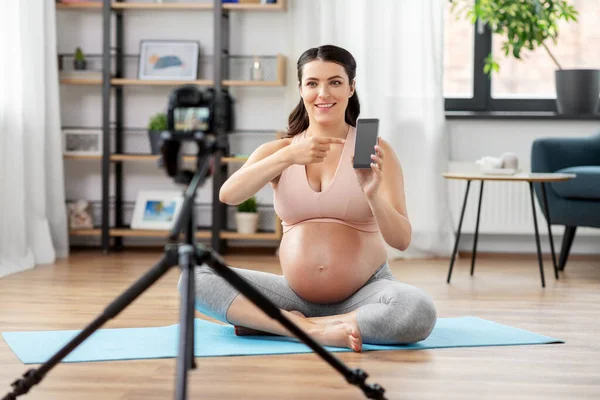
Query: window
[521,85]
[578,46]
[458,57]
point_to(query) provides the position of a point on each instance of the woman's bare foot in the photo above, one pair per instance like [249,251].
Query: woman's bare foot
[338,334]
[337,331]
[334,319]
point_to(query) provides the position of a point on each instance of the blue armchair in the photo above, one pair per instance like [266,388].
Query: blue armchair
[576,202]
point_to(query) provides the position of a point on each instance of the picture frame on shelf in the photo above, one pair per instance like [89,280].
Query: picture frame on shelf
[175,60]
[156,209]
[82,141]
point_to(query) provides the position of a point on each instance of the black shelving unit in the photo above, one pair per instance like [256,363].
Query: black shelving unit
[113,82]
[220,71]
[106,92]
[220,50]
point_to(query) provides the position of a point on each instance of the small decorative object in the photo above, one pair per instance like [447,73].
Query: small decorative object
[156,209]
[82,68]
[175,60]
[246,217]
[510,161]
[79,62]
[157,124]
[507,164]
[80,215]
[82,141]
[256,71]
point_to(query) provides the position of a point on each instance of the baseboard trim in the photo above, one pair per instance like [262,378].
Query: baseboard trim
[525,244]
[526,256]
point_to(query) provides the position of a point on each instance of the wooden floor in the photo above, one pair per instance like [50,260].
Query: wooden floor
[505,289]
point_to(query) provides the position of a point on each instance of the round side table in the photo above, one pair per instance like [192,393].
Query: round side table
[530,178]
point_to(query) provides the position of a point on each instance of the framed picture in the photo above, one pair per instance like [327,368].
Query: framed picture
[156,209]
[168,60]
[82,141]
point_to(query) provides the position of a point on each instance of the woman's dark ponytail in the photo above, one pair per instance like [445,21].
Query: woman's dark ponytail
[298,120]
[353,109]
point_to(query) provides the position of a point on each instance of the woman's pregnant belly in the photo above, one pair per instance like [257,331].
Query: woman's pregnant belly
[325,262]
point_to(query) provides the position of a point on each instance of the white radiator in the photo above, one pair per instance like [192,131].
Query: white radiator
[505,207]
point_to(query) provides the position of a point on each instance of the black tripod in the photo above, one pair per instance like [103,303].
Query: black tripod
[187,255]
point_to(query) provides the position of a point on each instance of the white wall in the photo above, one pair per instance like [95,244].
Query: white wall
[255,108]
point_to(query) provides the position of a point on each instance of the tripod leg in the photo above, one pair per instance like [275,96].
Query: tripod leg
[34,376]
[191,300]
[185,359]
[356,377]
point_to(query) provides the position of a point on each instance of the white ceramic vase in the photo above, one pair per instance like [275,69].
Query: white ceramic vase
[246,222]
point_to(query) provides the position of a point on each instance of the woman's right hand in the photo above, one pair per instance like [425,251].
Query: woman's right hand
[312,150]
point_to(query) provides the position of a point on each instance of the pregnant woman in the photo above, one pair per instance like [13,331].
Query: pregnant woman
[336,283]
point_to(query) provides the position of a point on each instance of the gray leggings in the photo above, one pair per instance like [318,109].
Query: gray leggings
[389,311]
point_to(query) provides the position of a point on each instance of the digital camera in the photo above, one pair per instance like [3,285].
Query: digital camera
[192,110]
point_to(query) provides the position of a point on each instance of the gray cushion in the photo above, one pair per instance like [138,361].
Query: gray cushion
[585,186]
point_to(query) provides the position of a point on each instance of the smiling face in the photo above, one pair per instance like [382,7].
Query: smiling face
[325,90]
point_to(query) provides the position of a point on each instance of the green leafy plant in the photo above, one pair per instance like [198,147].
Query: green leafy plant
[248,205]
[79,54]
[158,122]
[525,24]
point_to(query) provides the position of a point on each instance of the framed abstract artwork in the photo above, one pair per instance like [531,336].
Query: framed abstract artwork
[156,209]
[82,141]
[175,60]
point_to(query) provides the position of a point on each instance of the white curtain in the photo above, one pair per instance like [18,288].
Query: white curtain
[398,47]
[33,224]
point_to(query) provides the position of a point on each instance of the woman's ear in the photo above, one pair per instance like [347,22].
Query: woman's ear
[352,87]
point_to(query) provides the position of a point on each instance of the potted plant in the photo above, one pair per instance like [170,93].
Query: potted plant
[156,125]
[530,24]
[246,217]
[79,63]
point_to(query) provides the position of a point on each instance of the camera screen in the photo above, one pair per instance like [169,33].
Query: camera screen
[191,119]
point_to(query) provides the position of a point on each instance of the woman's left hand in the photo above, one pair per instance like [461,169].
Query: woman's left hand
[370,179]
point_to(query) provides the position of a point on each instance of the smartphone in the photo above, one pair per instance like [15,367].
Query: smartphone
[365,141]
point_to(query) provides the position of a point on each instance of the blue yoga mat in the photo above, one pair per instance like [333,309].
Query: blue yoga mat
[213,340]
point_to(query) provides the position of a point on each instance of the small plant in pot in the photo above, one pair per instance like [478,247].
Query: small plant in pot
[156,125]
[79,62]
[527,25]
[246,217]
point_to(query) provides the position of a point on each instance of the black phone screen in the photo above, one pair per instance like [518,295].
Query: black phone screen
[366,139]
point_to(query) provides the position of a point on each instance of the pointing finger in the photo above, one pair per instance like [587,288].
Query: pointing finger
[330,140]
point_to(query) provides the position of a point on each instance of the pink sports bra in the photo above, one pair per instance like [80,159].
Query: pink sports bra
[342,201]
